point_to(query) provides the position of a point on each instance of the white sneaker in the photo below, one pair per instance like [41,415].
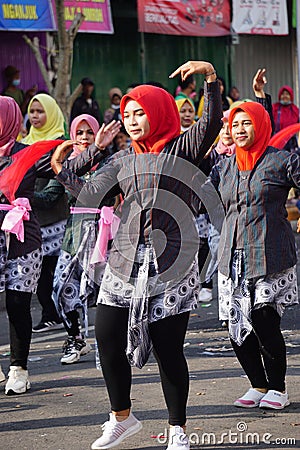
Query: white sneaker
[205,295]
[251,399]
[178,440]
[274,400]
[18,382]
[2,376]
[115,432]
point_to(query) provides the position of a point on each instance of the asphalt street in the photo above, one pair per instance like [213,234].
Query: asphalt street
[67,404]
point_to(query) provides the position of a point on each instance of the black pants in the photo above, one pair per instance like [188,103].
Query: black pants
[45,287]
[20,326]
[265,367]
[74,318]
[202,256]
[167,337]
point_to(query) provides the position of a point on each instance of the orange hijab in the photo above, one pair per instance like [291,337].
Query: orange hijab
[162,114]
[247,157]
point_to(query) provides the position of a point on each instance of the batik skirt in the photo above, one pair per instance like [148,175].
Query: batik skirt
[21,273]
[238,296]
[148,299]
[76,280]
[52,238]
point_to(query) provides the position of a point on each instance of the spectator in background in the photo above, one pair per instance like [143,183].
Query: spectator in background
[121,141]
[113,112]
[226,101]
[186,88]
[286,113]
[86,104]
[12,78]
[234,94]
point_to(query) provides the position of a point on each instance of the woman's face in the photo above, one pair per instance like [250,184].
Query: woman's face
[136,121]
[84,135]
[121,141]
[242,131]
[187,115]
[225,135]
[285,96]
[37,115]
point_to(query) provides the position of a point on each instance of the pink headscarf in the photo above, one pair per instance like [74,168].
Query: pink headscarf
[221,148]
[91,121]
[10,124]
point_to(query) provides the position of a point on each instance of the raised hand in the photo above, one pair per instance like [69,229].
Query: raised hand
[59,155]
[258,83]
[106,134]
[189,68]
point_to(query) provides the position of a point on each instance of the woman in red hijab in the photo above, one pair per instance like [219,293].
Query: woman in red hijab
[257,261]
[150,283]
[286,113]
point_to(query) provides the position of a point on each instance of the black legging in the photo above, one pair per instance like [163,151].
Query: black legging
[20,326]
[203,253]
[167,337]
[44,289]
[264,368]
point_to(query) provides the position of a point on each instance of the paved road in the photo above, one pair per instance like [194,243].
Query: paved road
[67,404]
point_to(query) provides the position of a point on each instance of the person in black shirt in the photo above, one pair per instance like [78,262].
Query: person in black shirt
[86,104]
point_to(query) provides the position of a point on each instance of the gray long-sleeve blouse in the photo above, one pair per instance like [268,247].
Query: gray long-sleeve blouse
[157,193]
[255,213]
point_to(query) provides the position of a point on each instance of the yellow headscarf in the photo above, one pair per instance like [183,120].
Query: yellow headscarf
[54,126]
[181,101]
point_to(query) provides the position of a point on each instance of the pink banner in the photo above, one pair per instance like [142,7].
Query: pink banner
[97,15]
[186,18]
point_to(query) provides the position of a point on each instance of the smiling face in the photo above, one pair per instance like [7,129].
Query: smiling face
[187,115]
[242,130]
[37,115]
[136,121]
[225,135]
[84,135]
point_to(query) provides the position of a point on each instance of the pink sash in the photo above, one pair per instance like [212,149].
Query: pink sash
[108,226]
[17,212]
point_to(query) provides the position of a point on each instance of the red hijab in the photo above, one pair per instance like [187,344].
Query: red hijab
[162,114]
[247,157]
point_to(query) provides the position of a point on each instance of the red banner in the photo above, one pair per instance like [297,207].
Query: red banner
[184,17]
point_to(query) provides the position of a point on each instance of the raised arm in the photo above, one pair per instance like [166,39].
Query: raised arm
[199,138]
[258,84]
[192,67]
[90,157]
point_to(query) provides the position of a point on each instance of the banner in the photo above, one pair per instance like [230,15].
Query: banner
[260,17]
[97,15]
[185,18]
[26,15]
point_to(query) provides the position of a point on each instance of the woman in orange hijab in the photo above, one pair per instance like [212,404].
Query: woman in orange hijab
[257,261]
[150,283]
